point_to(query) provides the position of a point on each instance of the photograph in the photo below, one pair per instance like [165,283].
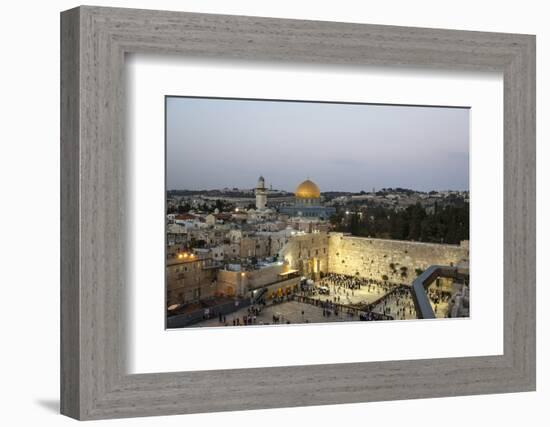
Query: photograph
[284,212]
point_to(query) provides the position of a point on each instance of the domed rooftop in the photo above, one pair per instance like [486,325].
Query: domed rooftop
[308,190]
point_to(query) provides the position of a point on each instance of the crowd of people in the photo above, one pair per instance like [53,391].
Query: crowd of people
[438,296]
[394,300]
[344,281]
[346,284]
[352,295]
[398,304]
[391,301]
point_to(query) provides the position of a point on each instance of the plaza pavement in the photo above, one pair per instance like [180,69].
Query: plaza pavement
[289,311]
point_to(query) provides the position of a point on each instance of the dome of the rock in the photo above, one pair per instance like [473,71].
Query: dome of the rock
[308,190]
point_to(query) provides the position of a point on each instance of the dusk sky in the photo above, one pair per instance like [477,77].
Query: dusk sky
[216,143]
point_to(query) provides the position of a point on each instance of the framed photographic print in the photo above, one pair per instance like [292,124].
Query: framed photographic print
[297,212]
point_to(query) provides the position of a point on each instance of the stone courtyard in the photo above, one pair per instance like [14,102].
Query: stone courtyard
[389,301]
[288,312]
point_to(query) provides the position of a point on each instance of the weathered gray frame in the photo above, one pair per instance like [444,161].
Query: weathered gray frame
[94,383]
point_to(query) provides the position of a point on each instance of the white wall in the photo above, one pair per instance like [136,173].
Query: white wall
[29,176]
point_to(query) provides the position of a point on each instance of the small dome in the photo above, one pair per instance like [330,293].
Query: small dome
[308,190]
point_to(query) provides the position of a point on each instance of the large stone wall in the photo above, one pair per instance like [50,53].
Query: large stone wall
[307,253]
[374,258]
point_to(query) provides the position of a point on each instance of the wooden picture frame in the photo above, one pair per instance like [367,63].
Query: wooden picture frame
[94,41]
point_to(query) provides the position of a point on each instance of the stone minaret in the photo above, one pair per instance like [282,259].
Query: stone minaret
[261,194]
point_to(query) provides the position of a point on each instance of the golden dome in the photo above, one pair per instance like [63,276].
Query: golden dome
[308,190]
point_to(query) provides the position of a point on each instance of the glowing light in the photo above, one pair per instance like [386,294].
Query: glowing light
[180,256]
[243,274]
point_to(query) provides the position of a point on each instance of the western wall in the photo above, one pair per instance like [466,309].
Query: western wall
[399,261]
[381,259]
